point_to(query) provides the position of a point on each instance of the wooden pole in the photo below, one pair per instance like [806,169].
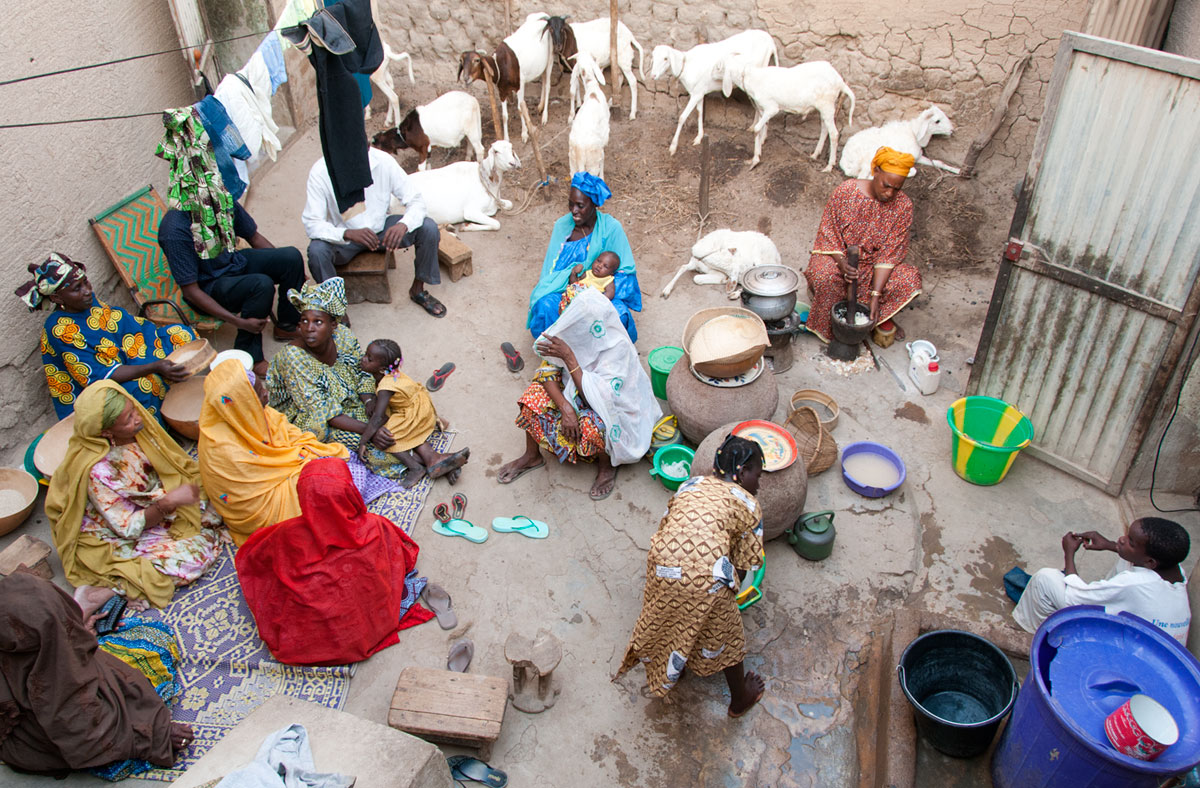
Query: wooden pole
[508,20]
[614,69]
[533,138]
[705,166]
[491,91]
[980,142]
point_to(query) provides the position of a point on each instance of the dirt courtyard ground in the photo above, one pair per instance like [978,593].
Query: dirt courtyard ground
[938,543]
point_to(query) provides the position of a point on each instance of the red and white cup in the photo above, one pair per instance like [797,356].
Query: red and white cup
[1142,728]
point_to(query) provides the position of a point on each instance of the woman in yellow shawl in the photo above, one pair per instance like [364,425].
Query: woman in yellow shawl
[125,505]
[250,455]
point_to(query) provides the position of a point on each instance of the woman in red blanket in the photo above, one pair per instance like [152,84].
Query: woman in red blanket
[335,584]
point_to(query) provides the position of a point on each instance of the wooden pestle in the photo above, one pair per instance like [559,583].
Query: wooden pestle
[852,286]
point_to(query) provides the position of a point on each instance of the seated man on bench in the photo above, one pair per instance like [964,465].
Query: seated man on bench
[237,286]
[337,238]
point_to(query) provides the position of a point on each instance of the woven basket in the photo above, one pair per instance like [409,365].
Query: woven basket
[815,444]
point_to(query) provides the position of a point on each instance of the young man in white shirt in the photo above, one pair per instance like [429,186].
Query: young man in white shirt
[1146,580]
[335,238]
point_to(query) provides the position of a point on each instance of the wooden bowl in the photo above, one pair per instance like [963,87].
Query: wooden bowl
[194,357]
[21,482]
[181,406]
[52,448]
[724,342]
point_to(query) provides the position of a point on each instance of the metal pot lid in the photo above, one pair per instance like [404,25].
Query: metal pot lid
[770,280]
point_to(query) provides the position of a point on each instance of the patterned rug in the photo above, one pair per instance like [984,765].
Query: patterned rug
[226,670]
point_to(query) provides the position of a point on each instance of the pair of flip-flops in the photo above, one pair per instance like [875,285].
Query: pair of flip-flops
[464,767]
[451,523]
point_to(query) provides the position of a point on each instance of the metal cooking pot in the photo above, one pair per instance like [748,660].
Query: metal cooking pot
[769,291]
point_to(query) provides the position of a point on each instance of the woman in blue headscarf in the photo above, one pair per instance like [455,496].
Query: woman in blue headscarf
[579,238]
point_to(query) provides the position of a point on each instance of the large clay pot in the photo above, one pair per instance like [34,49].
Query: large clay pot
[702,408]
[780,493]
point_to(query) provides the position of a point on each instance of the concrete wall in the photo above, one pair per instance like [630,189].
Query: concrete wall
[57,176]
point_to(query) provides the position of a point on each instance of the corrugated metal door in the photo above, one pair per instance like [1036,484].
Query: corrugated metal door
[1098,287]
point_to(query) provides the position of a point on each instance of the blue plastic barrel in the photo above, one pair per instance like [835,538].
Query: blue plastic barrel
[1084,664]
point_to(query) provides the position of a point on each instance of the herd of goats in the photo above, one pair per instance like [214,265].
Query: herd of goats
[469,193]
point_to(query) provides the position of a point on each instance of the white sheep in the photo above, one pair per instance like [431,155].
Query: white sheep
[799,89]
[723,256]
[468,191]
[589,128]
[595,38]
[694,68]
[907,136]
[383,80]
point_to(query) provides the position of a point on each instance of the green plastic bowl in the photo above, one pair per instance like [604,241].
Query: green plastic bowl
[668,455]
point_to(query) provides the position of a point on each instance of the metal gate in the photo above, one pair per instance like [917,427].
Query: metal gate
[1097,289]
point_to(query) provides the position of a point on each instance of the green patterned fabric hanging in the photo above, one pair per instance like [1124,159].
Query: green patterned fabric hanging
[195,182]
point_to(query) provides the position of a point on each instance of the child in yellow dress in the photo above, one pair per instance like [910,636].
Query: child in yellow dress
[404,410]
[600,275]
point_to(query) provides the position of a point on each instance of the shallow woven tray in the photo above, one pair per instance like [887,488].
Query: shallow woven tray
[817,447]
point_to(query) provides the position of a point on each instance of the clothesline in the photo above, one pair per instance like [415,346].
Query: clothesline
[157,114]
[113,62]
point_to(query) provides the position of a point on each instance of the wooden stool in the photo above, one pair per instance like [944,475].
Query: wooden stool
[448,707]
[456,256]
[28,552]
[533,662]
[367,277]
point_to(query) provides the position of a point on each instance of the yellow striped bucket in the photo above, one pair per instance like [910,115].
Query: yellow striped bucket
[988,435]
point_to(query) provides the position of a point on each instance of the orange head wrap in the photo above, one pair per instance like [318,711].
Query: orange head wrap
[893,161]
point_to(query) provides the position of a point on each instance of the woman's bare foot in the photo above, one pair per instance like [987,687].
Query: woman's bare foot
[92,598]
[182,735]
[606,481]
[531,459]
[900,335]
[751,693]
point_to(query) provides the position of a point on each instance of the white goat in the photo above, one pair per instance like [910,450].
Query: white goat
[594,38]
[383,80]
[468,191]
[518,60]
[589,128]
[443,122]
[799,89]
[723,256]
[907,136]
[694,69]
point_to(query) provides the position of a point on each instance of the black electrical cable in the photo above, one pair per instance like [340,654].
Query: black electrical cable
[80,120]
[122,60]
[1163,437]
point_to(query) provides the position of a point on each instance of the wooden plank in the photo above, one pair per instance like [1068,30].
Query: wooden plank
[1129,53]
[424,724]
[28,552]
[1031,261]
[365,264]
[452,250]
[452,701]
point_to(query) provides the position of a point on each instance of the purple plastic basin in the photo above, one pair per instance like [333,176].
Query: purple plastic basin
[870,447]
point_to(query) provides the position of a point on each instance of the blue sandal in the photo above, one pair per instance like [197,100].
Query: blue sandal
[464,767]
[534,529]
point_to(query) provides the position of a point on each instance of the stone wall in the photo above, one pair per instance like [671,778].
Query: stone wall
[58,176]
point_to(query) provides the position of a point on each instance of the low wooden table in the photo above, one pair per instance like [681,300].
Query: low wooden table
[367,277]
[450,708]
[456,256]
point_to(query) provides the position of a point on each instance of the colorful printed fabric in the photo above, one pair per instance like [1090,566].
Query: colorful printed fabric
[79,348]
[147,645]
[689,610]
[881,231]
[120,488]
[328,296]
[196,187]
[541,418]
[48,275]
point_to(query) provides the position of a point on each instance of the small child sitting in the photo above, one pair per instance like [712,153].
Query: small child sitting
[405,413]
[600,276]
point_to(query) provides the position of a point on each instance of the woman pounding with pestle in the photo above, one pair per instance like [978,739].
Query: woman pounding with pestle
[875,216]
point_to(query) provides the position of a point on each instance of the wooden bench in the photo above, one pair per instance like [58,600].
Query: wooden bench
[450,708]
[367,277]
[456,256]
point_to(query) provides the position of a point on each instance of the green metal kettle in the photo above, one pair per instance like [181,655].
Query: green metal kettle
[812,535]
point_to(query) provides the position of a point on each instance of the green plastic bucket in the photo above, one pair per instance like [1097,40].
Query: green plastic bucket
[661,360]
[668,455]
[988,435]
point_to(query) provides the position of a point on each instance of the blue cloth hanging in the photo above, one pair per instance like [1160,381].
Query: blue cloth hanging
[227,143]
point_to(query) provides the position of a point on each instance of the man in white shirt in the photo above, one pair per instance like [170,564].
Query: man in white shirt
[335,238]
[1146,581]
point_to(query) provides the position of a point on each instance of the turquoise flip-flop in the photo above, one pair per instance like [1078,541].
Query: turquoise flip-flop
[534,529]
[464,528]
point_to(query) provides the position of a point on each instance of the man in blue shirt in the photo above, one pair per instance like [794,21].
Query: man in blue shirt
[236,286]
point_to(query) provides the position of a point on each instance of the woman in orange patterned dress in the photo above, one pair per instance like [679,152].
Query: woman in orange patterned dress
[709,538]
[875,216]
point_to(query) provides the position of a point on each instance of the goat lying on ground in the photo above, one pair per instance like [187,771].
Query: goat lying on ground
[518,60]
[907,136]
[468,191]
[589,129]
[723,256]
[799,89]
[694,69]
[443,122]
[383,80]
[594,38]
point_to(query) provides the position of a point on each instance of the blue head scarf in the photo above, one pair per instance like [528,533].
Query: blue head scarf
[595,189]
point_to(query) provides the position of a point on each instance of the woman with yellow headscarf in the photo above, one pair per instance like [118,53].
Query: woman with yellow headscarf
[125,505]
[875,216]
[250,454]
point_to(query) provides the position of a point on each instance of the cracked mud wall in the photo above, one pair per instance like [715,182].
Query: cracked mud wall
[56,177]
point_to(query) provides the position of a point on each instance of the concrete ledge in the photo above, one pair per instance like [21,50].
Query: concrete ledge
[377,755]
